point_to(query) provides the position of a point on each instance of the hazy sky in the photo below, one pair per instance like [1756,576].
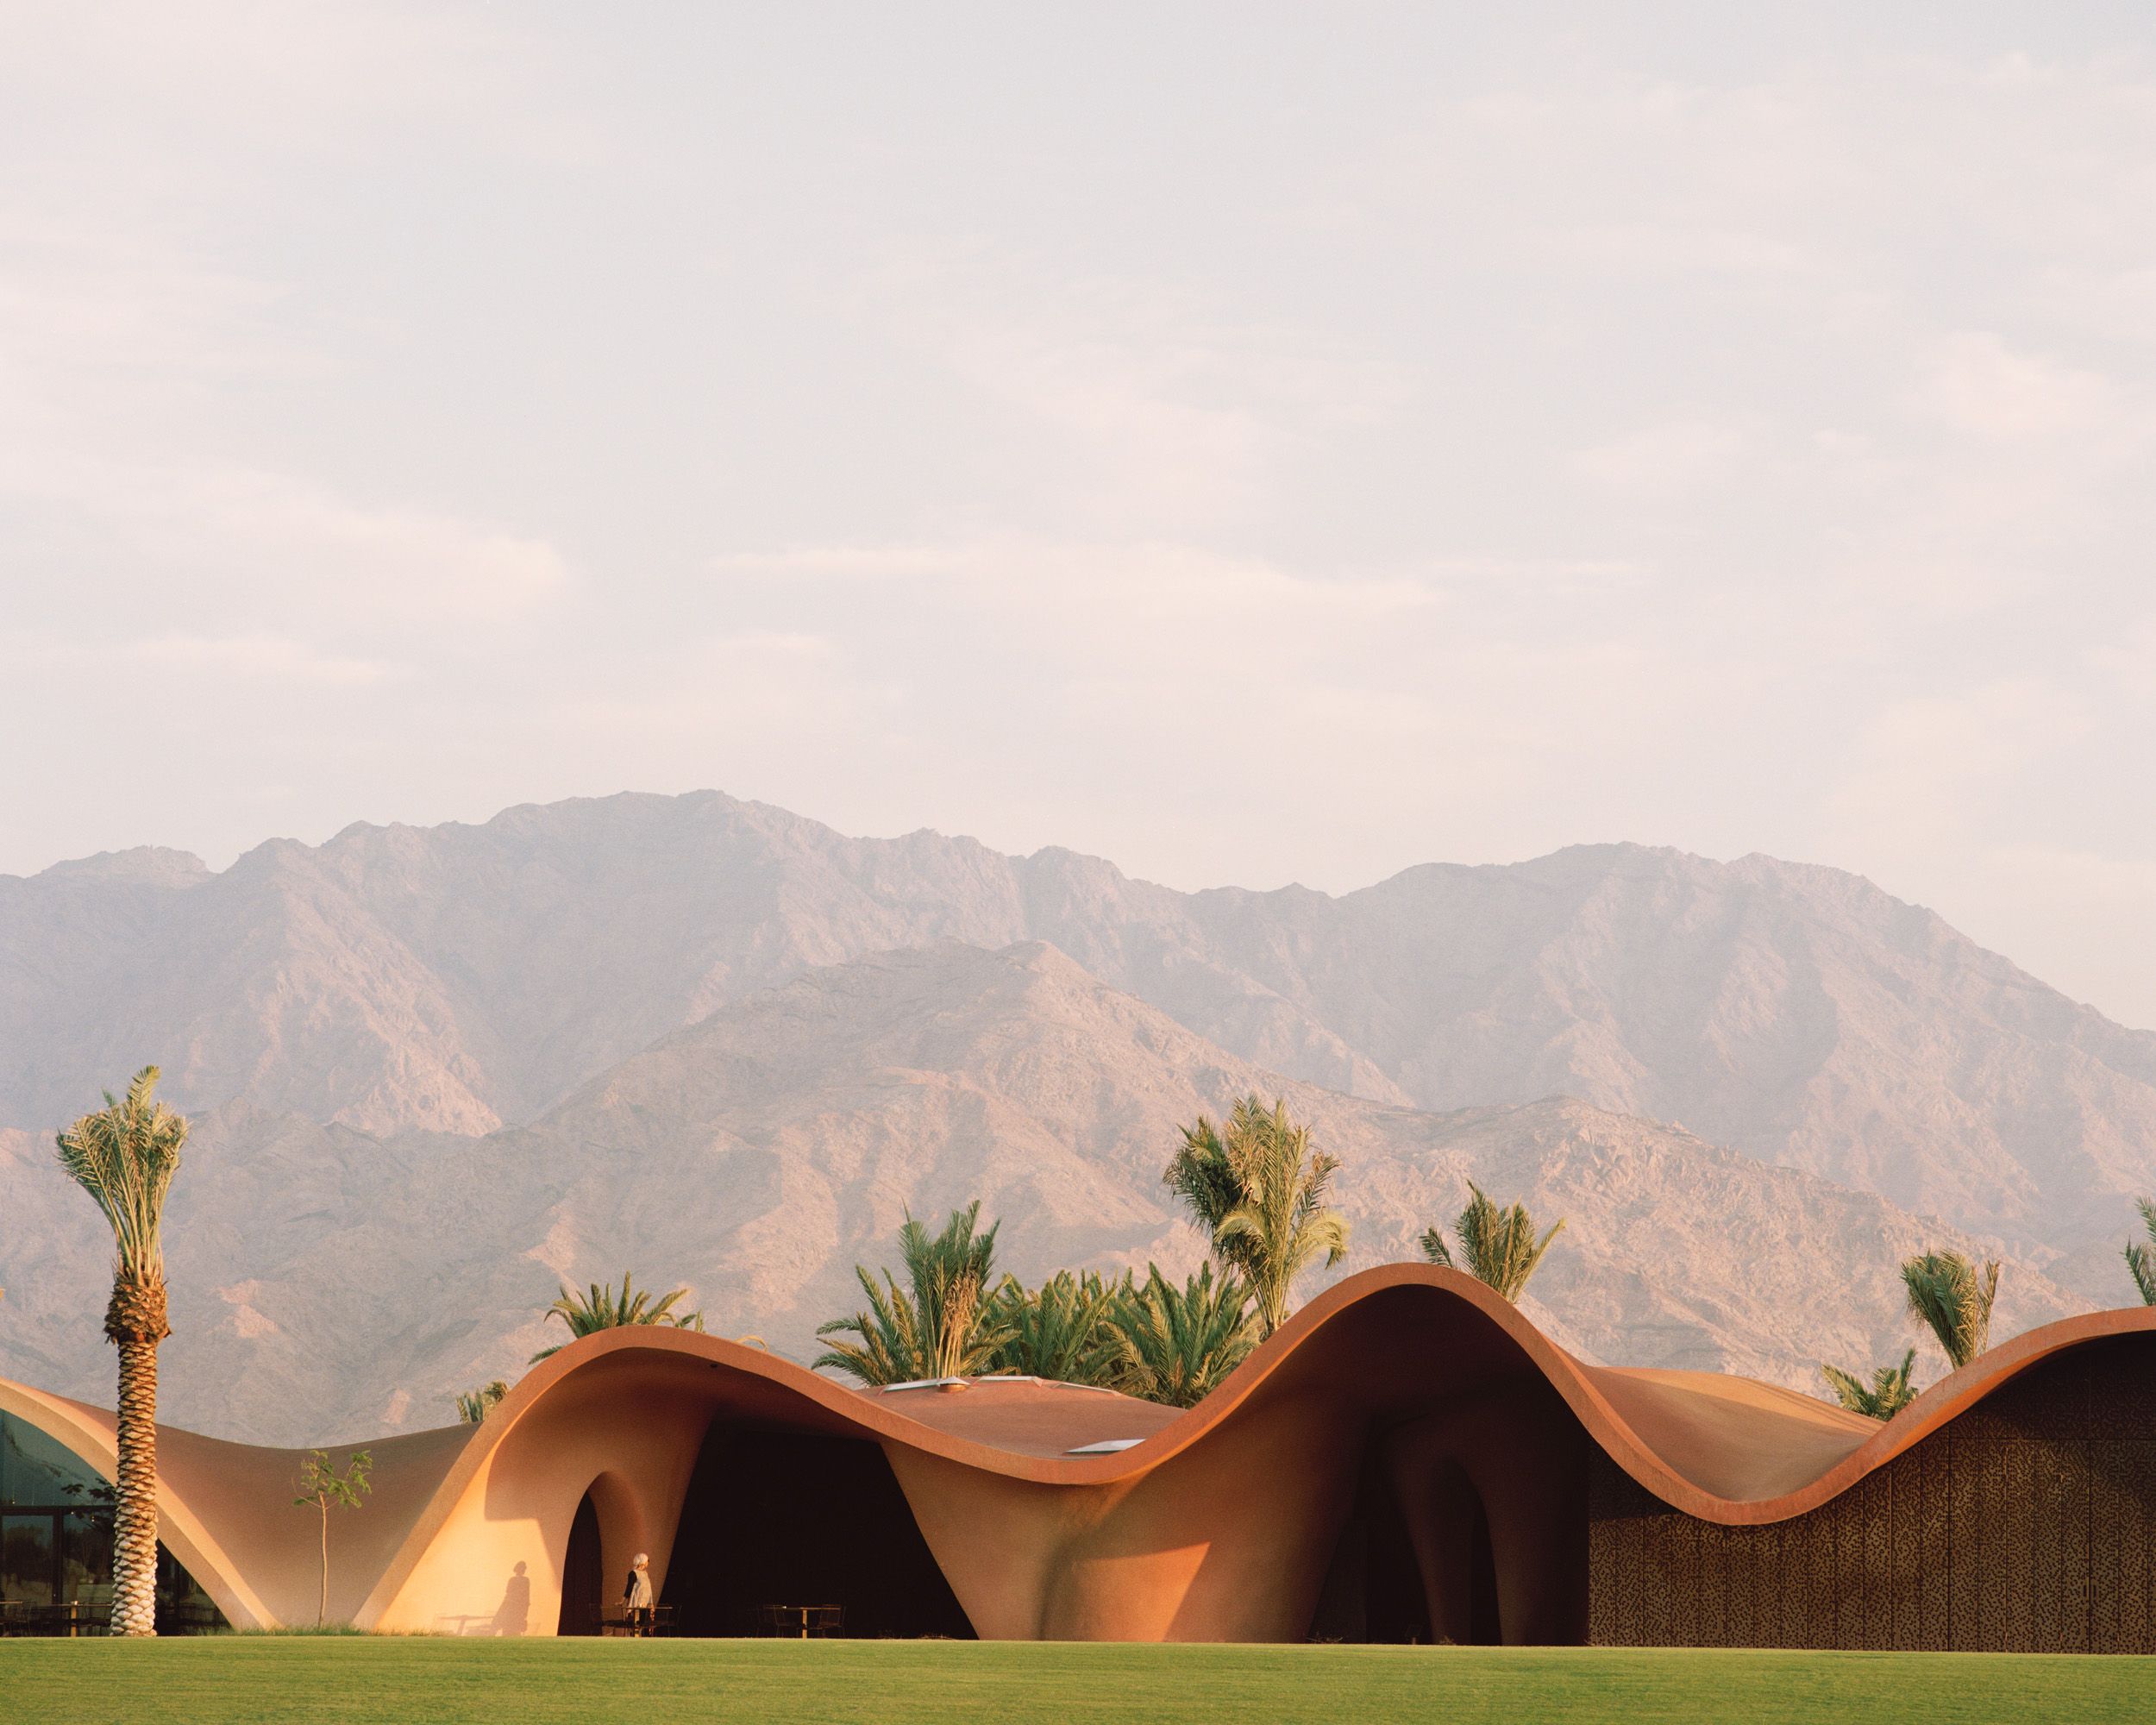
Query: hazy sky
[1252,443]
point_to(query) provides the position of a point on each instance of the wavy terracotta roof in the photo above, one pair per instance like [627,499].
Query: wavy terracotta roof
[623,1408]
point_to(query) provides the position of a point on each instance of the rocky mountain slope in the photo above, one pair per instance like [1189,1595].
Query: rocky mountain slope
[329,1282]
[458,978]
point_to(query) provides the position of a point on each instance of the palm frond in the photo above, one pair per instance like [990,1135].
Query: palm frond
[943,1324]
[1175,1346]
[473,1405]
[1952,1296]
[1497,1246]
[1260,1192]
[601,1307]
[2140,1255]
[885,1347]
[125,1157]
[1887,1394]
[1059,1331]
[1202,1176]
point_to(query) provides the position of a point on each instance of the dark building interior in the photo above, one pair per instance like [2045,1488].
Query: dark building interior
[791,1520]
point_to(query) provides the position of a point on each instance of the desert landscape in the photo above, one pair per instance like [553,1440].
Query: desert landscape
[435,1072]
[910,863]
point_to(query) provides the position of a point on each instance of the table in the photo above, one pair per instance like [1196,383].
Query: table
[68,1617]
[803,1620]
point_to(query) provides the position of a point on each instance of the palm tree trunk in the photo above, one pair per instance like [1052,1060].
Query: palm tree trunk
[134,1513]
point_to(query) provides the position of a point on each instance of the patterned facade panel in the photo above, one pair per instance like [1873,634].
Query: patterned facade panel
[1615,1509]
[2062,1564]
[1871,1625]
[1723,1563]
[1908,1596]
[1766,1544]
[2032,1531]
[1664,1555]
[2122,1546]
[1814,1556]
[1973,1477]
[1928,1468]
[2025,1537]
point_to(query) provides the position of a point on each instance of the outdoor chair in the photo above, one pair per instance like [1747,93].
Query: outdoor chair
[801,1623]
[18,1617]
[658,1621]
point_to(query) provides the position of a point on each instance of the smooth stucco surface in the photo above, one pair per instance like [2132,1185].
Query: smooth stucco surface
[1218,1524]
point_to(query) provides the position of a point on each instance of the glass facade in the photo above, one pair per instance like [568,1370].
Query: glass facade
[37,1472]
[56,1545]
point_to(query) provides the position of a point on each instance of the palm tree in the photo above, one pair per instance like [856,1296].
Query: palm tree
[1059,1331]
[474,1406]
[1175,1344]
[1950,1295]
[1500,1246]
[1260,1193]
[2140,1255]
[1887,1394]
[601,1307]
[125,1157]
[941,1324]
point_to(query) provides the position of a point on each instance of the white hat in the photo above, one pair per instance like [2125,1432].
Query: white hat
[642,1558]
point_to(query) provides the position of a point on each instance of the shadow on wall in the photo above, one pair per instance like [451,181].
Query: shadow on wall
[513,1615]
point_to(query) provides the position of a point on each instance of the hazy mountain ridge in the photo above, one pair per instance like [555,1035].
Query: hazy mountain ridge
[330,1282]
[456,978]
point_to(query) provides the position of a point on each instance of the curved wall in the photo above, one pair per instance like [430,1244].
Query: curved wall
[1406,1429]
[225,1509]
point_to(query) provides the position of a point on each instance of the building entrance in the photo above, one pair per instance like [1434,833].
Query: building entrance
[787,1534]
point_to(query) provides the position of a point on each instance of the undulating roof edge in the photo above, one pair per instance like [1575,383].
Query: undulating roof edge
[1722,1448]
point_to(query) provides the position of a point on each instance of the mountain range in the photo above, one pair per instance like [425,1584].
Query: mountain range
[435,1069]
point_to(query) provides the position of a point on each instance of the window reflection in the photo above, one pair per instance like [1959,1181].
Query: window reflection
[56,1545]
[26,1559]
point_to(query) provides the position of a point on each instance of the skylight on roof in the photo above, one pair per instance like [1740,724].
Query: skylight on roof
[997,1378]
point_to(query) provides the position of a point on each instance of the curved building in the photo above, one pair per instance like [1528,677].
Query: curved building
[1409,1459]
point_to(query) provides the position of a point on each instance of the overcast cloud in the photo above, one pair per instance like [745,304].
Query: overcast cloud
[1253,444]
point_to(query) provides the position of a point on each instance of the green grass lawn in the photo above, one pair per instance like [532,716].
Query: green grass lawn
[256,1678]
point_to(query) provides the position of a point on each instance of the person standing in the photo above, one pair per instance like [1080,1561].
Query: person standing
[636,1595]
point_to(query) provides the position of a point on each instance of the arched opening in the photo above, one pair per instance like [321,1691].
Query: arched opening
[583,1574]
[1460,1567]
[1428,1575]
[1484,1628]
[1373,1588]
[780,1524]
[56,1545]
